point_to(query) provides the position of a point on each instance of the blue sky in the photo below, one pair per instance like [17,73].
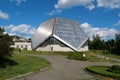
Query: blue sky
[22,17]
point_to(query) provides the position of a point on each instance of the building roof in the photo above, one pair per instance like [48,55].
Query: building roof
[65,30]
[20,39]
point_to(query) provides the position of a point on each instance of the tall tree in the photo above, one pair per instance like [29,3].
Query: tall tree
[96,43]
[5,42]
[117,47]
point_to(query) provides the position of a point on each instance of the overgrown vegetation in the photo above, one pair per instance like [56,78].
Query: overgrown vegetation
[103,70]
[25,64]
[113,45]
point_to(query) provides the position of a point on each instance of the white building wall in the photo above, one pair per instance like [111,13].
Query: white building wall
[59,48]
[85,48]
[53,48]
[22,45]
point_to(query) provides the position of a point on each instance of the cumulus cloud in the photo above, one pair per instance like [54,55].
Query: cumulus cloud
[18,2]
[110,4]
[104,33]
[117,24]
[54,12]
[3,15]
[22,29]
[64,4]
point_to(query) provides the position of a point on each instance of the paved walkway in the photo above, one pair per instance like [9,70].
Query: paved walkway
[101,56]
[63,69]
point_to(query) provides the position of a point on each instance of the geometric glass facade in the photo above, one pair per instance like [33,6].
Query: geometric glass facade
[61,31]
[52,40]
[70,32]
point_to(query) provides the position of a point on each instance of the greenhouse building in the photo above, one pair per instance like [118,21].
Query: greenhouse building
[59,34]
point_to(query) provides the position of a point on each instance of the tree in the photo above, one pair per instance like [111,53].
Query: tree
[117,47]
[96,43]
[5,42]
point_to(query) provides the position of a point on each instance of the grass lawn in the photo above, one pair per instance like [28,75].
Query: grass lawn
[72,55]
[90,58]
[25,64]
[102,70]
[96,59]
[105,53]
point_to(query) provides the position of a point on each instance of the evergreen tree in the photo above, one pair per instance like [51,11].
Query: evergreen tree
[96,43]
[117,47]
[5,42]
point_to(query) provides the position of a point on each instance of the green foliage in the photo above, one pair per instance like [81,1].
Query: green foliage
[4,62]
[25,64]
[96,43]
[5,49]
[105,53]
[71,55]
[103,70]
[5,42]
[113,45]
[77,56]
[114,69]
[117,47]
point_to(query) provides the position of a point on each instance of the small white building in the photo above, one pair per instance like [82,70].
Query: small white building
[21,43]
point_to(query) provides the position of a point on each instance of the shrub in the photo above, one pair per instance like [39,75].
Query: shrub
[4,62]
[103,70]
[114,69]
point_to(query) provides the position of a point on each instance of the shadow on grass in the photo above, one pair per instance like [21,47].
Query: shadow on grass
[4,62]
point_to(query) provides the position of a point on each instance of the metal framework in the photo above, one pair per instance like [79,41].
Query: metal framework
[65,30]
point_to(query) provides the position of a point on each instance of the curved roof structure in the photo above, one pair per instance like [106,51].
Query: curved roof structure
[65,30]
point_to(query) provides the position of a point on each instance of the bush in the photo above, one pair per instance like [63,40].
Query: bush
[4,62]
[114,69]
[103,70]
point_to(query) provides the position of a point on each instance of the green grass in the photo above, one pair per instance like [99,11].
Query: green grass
[72,55]
[105,53]
[96,59]
[43,52]
[77,56]
[102,70]
[25,64]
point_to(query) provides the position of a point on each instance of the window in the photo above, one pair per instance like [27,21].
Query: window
[17,46]
[26,46]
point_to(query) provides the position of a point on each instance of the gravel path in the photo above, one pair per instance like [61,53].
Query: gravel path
[62,69]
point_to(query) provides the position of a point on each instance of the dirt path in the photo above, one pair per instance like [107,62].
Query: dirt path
[63,69]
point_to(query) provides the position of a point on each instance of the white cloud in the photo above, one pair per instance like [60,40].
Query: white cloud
[110,4]
[104,33]
[85,25]
[18,2]
[117,24]
[3,15]
[54,12]
[64,4]
[22,29]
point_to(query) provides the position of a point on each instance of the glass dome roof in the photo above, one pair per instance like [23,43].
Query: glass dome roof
[65,30]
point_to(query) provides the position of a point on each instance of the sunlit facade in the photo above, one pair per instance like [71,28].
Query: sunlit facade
[59,34]
[21,43]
